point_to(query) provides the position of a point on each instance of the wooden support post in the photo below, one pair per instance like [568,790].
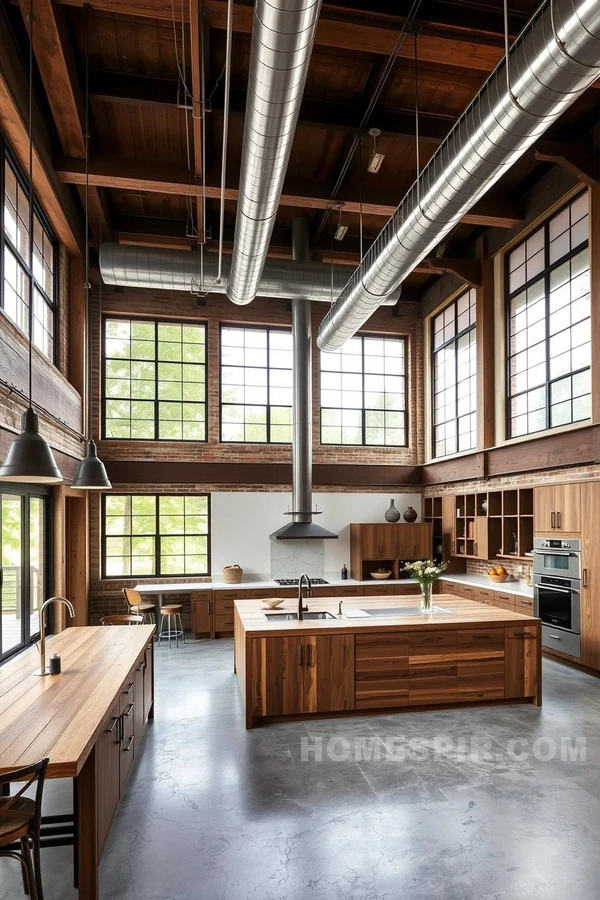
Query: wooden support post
[594,200]
[87,829]
[485,350]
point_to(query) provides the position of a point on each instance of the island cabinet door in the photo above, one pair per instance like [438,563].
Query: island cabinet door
[522,661]
[381,670]
[108,753]
[278,677]
[480,664]
[127,749]
[432,667]
[329,672]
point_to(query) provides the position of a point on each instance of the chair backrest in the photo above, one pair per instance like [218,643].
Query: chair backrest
[29,775]
[132,598]
[124,619]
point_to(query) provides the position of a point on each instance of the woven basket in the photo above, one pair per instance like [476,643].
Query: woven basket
[232,574]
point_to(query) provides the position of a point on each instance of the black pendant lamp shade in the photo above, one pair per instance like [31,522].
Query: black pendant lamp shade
[91,474]
[29,458]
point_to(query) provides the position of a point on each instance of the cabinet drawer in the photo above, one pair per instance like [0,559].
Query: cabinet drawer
[284,592]
[480,642]
[524,605]
[485,596]
[231,595]
[504,601]
[224,607]
[379,590]
[224,622]
[561,641]
[407,589]
[351,590]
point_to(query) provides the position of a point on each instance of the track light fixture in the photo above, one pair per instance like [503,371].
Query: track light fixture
[377,157]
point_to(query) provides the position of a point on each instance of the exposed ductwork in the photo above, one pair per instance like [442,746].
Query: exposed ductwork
[282,40]
[302,526]
[184,270]
[554,59]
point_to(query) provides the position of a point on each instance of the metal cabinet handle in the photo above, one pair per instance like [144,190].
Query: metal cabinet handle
[127,748]
[121,732]
[113,726]
[559,520]
[141,666]
[584,578]
[552,520]
[309,656]
[128,710]
[129,689]
[555,637]
[300,655]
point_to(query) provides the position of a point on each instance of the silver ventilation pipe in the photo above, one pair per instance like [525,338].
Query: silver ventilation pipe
[302,526]
[181,270]
[282,41]
[554,59]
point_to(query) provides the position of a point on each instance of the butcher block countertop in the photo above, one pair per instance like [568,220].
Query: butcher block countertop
[461,613]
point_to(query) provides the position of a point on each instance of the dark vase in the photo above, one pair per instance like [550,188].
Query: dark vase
[392,515]
[410,514]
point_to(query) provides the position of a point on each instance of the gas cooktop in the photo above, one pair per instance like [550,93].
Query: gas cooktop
[294,582]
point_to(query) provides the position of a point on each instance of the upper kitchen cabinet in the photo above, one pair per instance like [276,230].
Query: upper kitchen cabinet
[557,508]
[376,546]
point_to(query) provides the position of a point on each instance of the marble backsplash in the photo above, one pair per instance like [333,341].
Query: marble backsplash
[289,559]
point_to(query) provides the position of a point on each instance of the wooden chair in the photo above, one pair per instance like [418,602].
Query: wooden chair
[137,606]
[168,614]
[20,824]
[122,619]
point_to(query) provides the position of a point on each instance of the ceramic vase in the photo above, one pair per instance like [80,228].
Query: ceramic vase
[392,515]
[410,514]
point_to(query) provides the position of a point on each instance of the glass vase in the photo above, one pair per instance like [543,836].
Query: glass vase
[426,603]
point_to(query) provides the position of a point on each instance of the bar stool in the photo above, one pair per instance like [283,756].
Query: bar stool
[20,824]
[139,607]
[168,614]
[125,619]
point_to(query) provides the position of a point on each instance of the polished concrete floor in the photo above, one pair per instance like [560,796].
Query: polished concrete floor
[451,809]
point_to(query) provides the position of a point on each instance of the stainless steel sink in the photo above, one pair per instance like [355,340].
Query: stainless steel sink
[292,616]
[404,611]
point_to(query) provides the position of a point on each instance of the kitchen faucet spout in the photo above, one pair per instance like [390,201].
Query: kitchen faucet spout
[302,581]
[42,643]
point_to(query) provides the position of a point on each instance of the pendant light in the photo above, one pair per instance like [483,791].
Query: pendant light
[29,458]
[90,474]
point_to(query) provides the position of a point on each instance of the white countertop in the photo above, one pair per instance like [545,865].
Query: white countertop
[183,587]
[482,581]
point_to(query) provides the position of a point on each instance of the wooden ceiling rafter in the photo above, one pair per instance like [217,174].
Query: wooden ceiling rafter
[53,54]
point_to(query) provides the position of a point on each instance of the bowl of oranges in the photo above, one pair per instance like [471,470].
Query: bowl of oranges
[498,574]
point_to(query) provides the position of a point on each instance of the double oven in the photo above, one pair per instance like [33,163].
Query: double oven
[556,591]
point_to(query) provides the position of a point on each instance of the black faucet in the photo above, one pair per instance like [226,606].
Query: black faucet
[304,579]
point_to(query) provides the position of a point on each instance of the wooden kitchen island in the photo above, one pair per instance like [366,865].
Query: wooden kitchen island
[473,653]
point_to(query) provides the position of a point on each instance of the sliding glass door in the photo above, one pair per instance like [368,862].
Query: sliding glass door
[24,565]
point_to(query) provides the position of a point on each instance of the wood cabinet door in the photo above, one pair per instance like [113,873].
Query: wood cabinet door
[369,541]
[405,541]
[480,666]
[278,676]
[567,502]
[388,541]
[423,537]
[432,668]
[149,681]
[448,525]
[201,616]
[590,577]
[544,509]
[108,752]
[522,660]
[138,710]
[329,672]
[480,549]
[381,670]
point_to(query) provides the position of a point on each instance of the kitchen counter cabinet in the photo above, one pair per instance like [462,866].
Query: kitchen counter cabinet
[557,509]
[476,653]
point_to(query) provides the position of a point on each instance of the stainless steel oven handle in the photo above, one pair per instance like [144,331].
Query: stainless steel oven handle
[555,553]
[550,587]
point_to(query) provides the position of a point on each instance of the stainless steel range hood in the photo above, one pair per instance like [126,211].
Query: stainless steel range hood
[302,527]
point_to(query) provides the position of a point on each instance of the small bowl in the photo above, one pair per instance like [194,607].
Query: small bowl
[499,579]
[380,576]
[273,602]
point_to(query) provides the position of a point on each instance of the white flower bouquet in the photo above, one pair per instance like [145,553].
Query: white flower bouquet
[426,572]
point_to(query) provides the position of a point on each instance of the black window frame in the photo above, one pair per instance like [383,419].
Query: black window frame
[7,155]
[366,335]
[281,329]
[434,350]
[156,535]
[155,321]
[508,297]
[25,493]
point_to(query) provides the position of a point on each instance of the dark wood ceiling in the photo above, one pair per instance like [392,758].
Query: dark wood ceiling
[146,142]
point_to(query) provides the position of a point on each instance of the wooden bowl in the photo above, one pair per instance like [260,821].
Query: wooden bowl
[380,576]
[499,579]
[273,602]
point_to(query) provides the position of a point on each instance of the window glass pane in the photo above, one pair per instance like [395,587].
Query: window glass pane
[256,385]
[148,534]
[358,382]
[549,328]
[150,393]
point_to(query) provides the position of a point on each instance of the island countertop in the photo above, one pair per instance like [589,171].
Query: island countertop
[461,613]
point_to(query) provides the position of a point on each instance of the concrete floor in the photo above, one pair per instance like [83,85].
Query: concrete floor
[218,813]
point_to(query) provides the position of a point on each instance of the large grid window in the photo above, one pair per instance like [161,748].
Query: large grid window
[16,275]
[256,385]
[155,534]
[454,377]
[363,393]
[154,380]
[549,331]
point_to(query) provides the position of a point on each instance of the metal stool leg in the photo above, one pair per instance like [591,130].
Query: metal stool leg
[181,627]
[160,630]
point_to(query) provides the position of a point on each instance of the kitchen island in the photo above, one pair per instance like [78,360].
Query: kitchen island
[383,654]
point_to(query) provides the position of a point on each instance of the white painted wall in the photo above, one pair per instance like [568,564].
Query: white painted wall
[241,523]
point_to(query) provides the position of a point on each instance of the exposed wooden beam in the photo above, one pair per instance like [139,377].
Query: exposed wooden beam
[579,159]
[137,175]
[54,57]
[469,270]
[197,110]
[54,197]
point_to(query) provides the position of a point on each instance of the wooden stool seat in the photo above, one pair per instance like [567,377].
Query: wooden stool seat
[171,613]
[173,609]
[122,619]
[17,821]
[145,607]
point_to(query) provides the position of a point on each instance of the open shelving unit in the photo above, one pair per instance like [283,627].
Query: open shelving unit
[433,512]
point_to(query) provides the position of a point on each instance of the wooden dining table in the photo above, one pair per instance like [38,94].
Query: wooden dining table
[88,721]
